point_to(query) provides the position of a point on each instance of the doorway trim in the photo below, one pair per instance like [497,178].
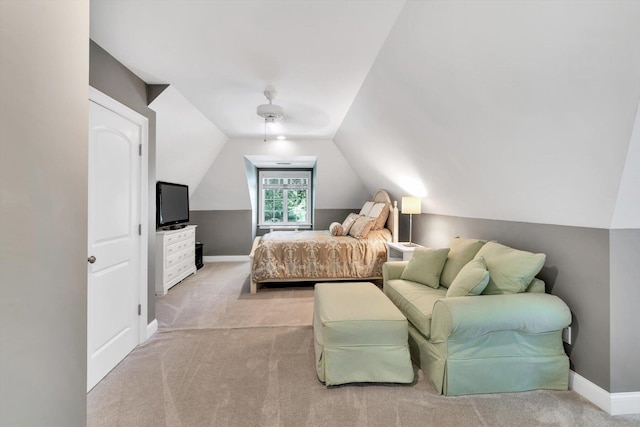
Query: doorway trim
[144,330]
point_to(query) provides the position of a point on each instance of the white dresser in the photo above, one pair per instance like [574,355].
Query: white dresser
[175,256]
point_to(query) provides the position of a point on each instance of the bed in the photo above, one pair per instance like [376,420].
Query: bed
[318,255]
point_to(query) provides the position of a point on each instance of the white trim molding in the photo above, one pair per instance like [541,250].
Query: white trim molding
[225,258]
[625,403]
[152,328]
[613,403]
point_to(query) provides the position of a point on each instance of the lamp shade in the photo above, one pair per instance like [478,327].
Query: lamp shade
[411,205]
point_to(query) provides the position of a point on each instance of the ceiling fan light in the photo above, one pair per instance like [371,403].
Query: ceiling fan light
[270,112]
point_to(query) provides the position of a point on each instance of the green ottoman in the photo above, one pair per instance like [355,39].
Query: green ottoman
[360,336]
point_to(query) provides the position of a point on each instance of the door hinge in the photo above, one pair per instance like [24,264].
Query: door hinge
[139,229]
[140,150]
[139,309]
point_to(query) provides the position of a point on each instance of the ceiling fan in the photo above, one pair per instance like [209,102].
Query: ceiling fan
[270,112]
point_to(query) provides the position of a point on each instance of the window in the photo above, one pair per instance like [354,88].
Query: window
[285,198]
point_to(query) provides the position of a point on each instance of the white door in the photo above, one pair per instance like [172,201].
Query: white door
[114,243]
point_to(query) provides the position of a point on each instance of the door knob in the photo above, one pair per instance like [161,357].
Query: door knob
[91,259]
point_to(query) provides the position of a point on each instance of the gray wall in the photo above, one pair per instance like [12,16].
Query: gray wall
[625,310]
[229,232]
[324,217]
[112,78]
[223,232]
[576,270]
[43,212]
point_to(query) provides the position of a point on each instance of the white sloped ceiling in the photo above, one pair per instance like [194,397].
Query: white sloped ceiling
[225,186]
[517,111]
[186,141]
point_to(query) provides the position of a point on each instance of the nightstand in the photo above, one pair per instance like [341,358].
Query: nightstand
[398,251]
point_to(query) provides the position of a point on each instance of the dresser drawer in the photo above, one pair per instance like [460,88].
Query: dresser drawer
[175,259]
[171,273]
[189,234]
[179,247]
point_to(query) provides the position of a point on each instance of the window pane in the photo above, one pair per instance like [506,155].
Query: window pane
[273,194]
[273,216]
[297,205]
[273,201]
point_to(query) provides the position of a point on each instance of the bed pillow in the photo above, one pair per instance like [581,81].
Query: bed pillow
[379,212]
[425,266]
[361,227]
[471,280]
[336,229]
[348,222]
[462,251]
[366,208]
[510,270]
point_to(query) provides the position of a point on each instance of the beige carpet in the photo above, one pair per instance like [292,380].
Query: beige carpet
[223,357]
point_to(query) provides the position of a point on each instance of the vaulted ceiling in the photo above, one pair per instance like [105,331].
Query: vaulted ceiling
[523,111]
[221,55]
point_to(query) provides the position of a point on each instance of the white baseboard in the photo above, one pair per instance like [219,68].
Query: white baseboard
[152,328]
[225,258]
[613,403]
[625,403]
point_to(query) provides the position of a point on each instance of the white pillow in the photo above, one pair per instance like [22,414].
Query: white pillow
[376,210]
[336,229]
[366,208]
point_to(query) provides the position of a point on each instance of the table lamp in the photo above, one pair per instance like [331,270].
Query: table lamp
[411,205]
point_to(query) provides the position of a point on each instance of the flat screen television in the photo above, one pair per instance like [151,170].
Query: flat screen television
[172,205]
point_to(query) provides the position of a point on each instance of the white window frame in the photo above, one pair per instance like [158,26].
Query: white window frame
[279,173]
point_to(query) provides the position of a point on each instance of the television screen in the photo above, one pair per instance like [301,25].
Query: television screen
[172,204]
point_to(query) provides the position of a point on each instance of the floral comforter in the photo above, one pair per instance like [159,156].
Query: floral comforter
[290,255]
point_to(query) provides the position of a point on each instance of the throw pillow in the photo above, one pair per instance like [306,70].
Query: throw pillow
[366,208]
[336,229]
[425,266]
[361,228]
[472,279]
[348,223]
[379,212]
[510,270]
[462,251]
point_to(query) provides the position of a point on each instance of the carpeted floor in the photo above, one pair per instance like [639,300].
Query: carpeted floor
[223,357]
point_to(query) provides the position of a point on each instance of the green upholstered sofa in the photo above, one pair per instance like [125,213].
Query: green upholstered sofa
[504,335]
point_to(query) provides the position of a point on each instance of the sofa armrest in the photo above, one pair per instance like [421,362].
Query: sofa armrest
[393,269]
[468,317]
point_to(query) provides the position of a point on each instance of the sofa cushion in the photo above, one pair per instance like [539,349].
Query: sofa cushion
[510,270]
[425,266]
[415,301]
[536,286]
[461,252]
[472,279]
